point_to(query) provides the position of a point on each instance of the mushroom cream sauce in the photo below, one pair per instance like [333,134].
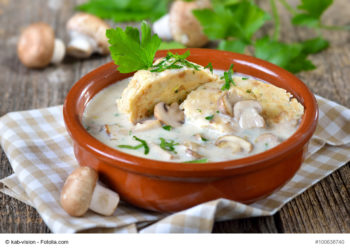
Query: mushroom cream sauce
[188,142]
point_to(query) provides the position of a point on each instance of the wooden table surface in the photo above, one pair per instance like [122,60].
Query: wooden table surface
[324,208]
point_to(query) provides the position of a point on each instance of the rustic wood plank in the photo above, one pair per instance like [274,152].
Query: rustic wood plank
[323,208]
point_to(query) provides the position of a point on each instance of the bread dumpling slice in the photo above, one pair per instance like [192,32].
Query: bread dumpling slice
[147,88]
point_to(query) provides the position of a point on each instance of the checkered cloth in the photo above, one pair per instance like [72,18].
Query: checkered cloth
[41,154]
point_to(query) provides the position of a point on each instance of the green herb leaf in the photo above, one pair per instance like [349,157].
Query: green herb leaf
[143,144]
[311,12]
[209,118]
[168,145]
[210,67]
[288,56]
[240,20]
[174,61]
[236,45]
[126,10]
[228,79]
[130,147]
[171,45]
[315,45]
[197,161]
[167,127]
[128,51]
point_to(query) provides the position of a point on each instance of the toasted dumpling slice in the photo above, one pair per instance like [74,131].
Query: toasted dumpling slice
[147,88]
[206,107]
[202,107]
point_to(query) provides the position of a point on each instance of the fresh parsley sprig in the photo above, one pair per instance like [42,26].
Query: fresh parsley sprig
[234,24]
[168,145]
[126,10]
[228,79]
[143,144]
[128,51]
[174,61]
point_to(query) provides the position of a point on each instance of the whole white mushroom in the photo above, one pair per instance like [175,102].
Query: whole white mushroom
[87,35]
[181,25]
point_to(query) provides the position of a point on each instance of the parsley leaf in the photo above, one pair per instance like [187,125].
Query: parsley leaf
[174,61]
[209,117]
[292,56]
[128,51]
[168,145]
[167,127]
[228,79]
[311,12]
[203,160]
[171,45]
[232,45]
[126,10]
[210,67]
[143,144]
[240,20]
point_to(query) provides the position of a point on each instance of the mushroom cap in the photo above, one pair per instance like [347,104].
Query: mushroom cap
[91,26]
[36,45]
[184,26]
[77,191]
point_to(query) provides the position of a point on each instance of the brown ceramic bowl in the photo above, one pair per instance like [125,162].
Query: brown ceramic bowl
[167,186]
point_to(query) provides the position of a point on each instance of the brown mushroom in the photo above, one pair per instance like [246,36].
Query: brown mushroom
[81,191]
[247,113]
[37,46]
[182,24]
[87,35]
[237,144]
[169,115]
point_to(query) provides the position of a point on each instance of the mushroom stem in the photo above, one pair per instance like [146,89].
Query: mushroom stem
[58,52]
[162,28]
[81,46]
[104,201]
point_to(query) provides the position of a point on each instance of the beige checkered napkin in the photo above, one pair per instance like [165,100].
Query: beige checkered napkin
[40,152]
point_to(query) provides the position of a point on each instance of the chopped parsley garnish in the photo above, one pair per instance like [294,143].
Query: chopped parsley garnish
[143,143]
[248,91]
[228,79]
[174,61]
[199,110]
[217,111]
[209,117]
[245,78]
[128,51]
[203,138]
[210,67]
[167,127]
[168,145]
[204,160]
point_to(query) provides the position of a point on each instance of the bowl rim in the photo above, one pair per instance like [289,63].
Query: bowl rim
[146,166]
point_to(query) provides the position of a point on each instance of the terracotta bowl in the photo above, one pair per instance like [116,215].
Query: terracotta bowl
[167,186]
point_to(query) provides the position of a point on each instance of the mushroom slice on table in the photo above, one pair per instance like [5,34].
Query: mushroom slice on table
[37,46]
[169,115]
[181,25]
[247,113]
[87,35]
[237,144]
[82,191]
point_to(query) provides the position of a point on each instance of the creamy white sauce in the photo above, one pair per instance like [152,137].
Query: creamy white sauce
[102,110]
